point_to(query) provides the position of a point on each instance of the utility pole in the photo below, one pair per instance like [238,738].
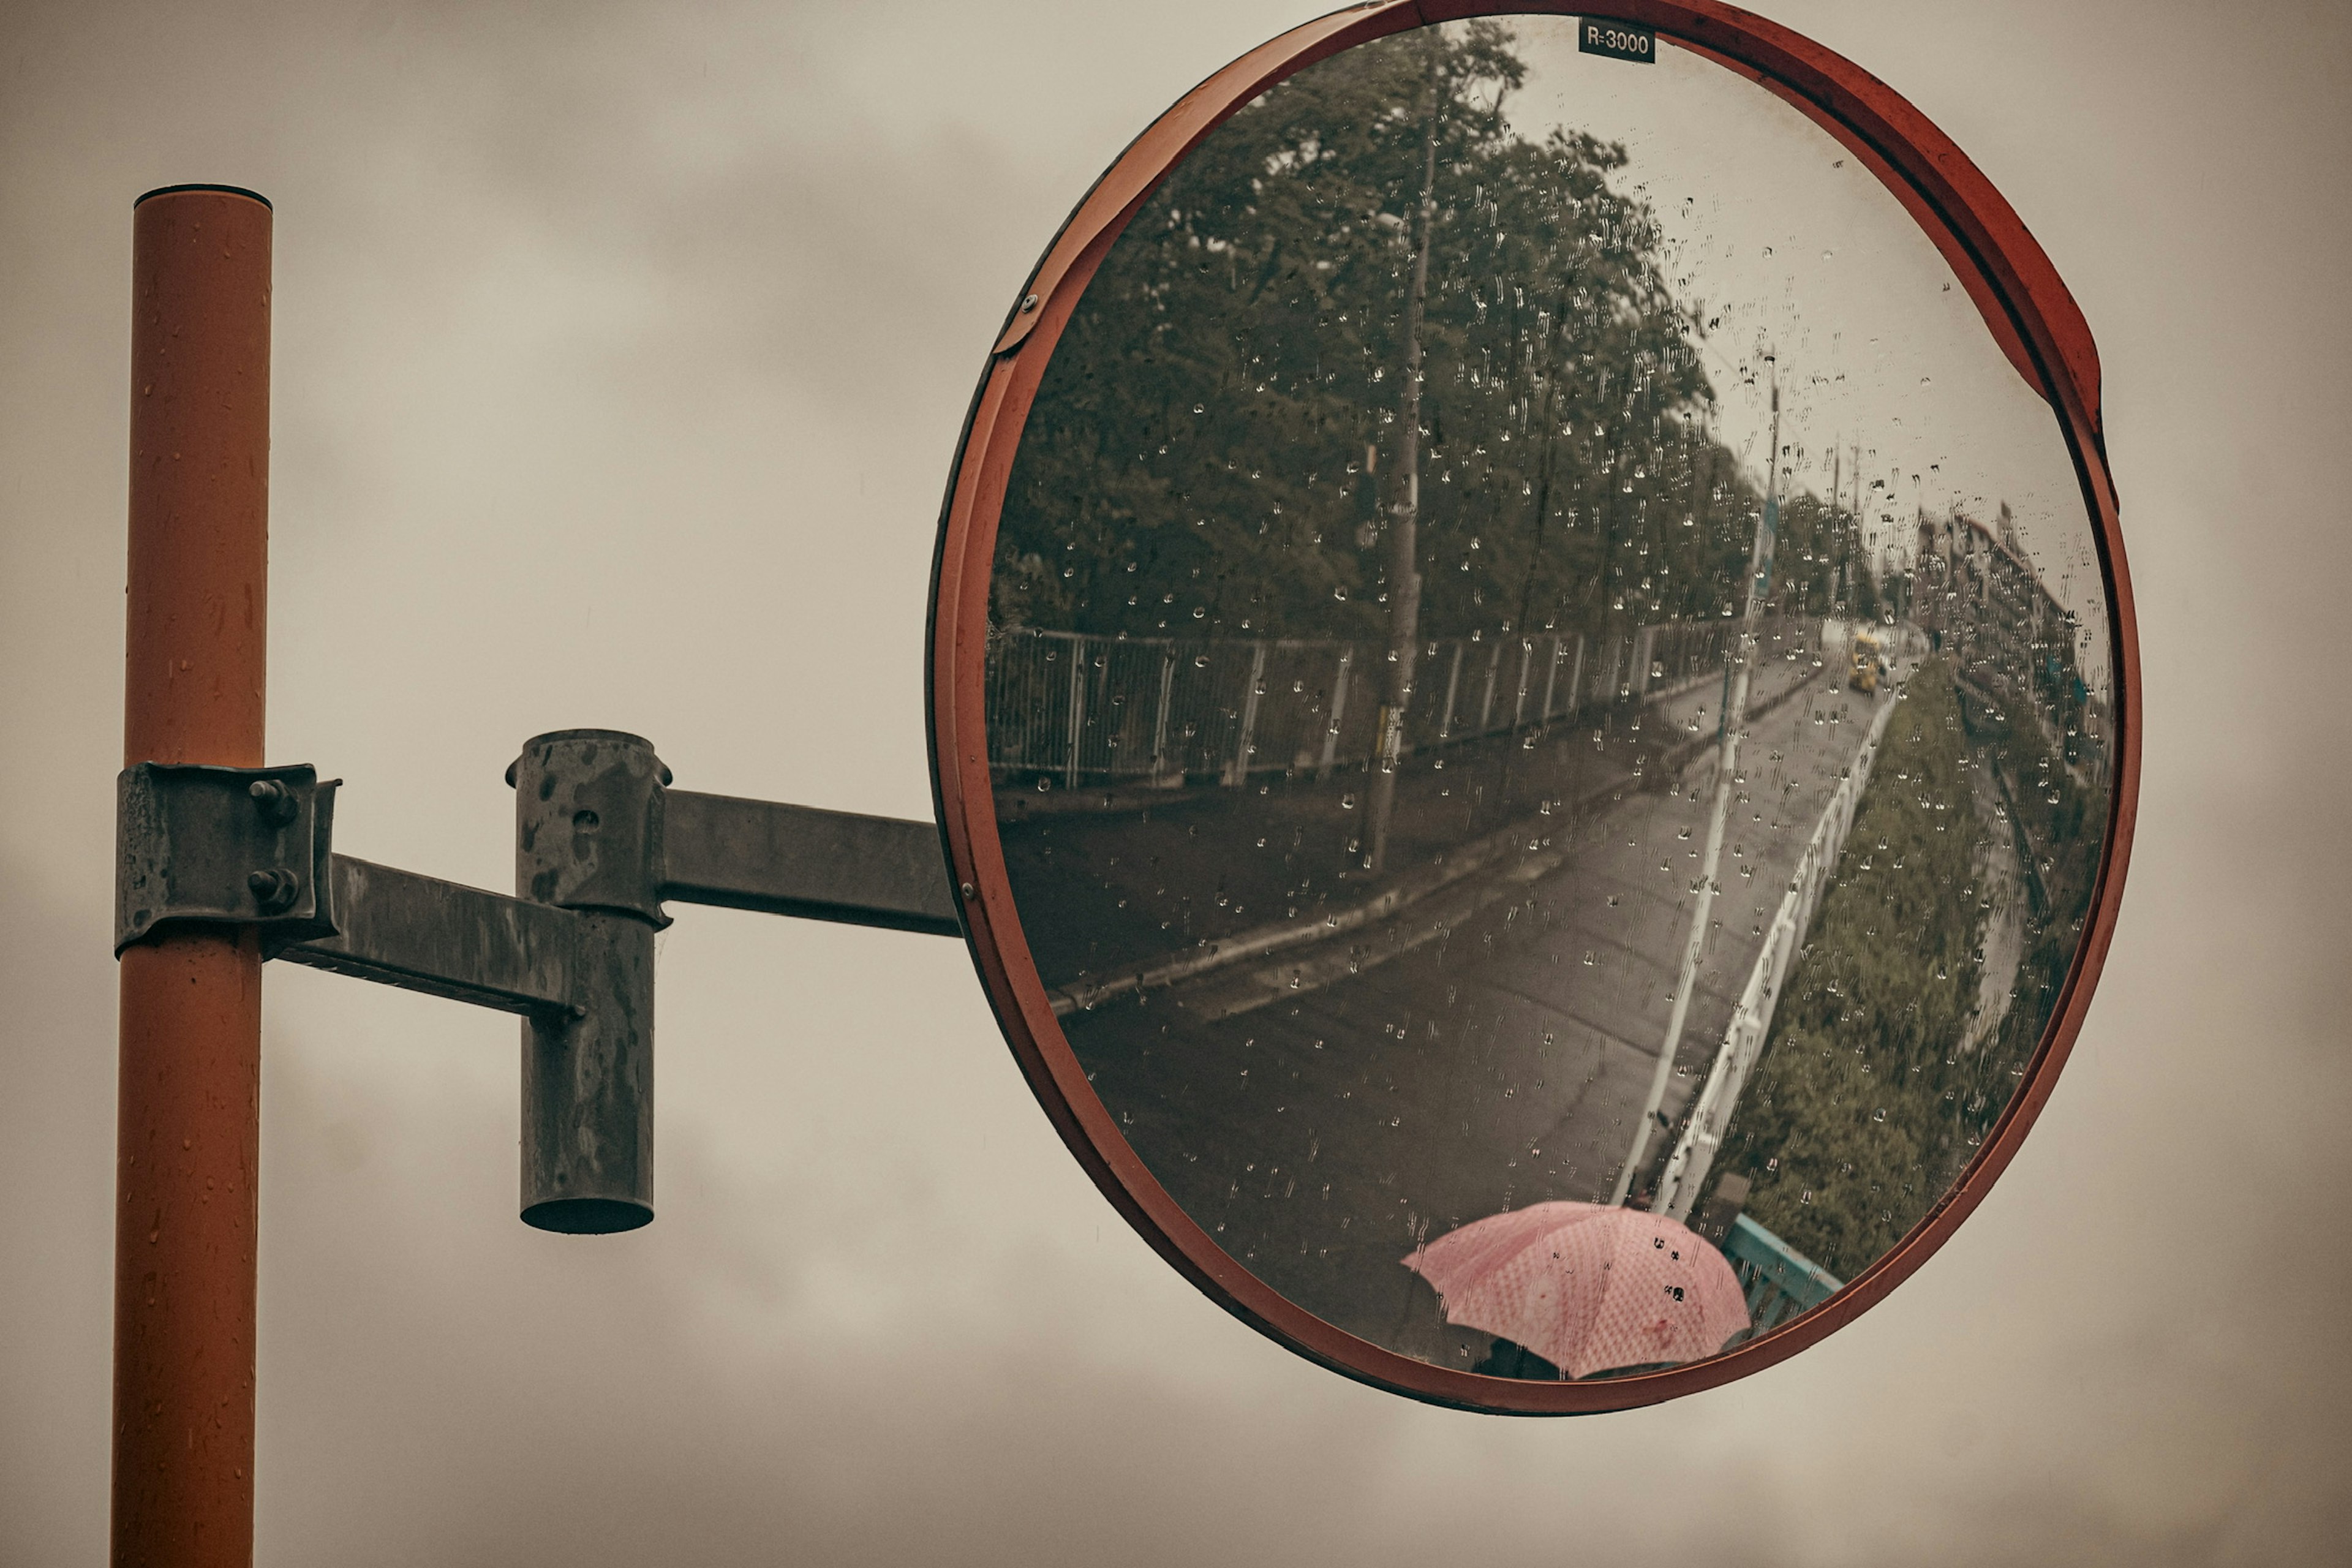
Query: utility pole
[223,863]
[1854,541]
[188,1127]
[1828,531]
[1404,550]
[1730,723]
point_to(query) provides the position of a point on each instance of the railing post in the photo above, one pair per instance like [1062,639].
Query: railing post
[1452,685]
[1160,724]
[1486,703]
[1077,706]
[1248,741]
[188,1128]
[1338,710]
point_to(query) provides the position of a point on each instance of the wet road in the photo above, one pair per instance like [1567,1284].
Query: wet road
[1323,1111]
[1122,890]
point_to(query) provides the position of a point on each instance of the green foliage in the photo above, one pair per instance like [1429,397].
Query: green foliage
[1213,449]
[1848,1124]
[1817,569]
[2059,822]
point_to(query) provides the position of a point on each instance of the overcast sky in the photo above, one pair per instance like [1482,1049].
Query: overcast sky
[621,353]
[1786,245]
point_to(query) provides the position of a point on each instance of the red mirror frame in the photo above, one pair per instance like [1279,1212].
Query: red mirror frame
[2029,313]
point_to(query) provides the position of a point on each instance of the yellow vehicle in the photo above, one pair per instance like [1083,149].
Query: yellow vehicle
[1869,663]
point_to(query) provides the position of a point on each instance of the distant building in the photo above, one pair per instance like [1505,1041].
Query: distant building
[2010,640]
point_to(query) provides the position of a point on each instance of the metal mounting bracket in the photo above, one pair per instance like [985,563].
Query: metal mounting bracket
[202,845]
[601,843]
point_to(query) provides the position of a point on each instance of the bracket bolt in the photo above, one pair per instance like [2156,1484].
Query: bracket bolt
[1028,304]
[969,890]
[278,803]
[275,889]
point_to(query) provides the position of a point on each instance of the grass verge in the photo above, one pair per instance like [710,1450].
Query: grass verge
[1850,1124]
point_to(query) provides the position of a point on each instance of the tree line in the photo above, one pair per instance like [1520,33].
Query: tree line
[1215,449]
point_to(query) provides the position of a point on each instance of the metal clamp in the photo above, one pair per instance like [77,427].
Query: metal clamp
[203,846]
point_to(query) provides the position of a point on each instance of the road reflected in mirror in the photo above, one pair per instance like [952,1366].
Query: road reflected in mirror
[1550,703]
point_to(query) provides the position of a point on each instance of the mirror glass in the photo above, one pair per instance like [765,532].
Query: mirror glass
[1548,700]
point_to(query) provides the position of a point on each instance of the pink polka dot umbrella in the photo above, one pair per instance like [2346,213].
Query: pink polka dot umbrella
[1588,1286]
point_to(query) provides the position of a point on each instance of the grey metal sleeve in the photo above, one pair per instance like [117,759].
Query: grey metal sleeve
[819,865]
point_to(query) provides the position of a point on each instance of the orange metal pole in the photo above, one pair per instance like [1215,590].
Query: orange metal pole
[188,1135]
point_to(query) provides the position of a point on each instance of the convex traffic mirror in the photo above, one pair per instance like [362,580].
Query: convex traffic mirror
[1534,694]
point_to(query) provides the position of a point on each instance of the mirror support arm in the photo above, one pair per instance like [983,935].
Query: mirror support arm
[819,865]
[601,843]
[445,940]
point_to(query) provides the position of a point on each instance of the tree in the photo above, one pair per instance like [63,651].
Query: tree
[1207,452]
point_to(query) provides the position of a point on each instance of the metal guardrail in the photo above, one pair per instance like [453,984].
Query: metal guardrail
[1070,707]
[1780,1282]
[1752,1018]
